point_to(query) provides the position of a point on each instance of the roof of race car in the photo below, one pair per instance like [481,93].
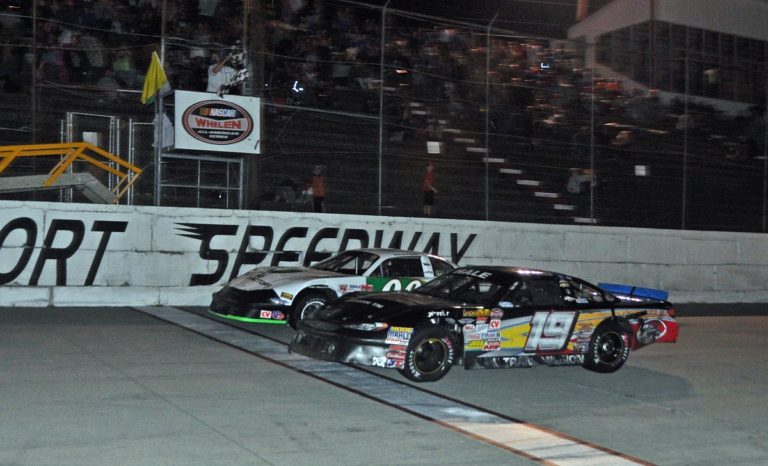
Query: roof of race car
[392,252]
[512,270]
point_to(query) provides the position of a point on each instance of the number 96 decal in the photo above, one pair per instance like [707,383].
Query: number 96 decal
[397,285]
[550,330]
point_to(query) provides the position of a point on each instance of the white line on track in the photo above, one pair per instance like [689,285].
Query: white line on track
[518,437]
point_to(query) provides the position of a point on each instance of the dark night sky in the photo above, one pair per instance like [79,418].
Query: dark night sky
[549,18]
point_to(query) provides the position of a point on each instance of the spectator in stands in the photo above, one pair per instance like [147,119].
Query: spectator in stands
[684,121]
[125,71]
[623,139]
[429,190]
[202,35]
[580,180]
[286,192]
[109,84]
[93,48]
[735,150]
[318,189]
[26,71]
[148,21]
[51,66]
[712,81]
[67,37]
[580,141]
[87,17]
[75,60]
[194,78]
[219,73]
[435,129]
[340,70]
[103,11]
[9,20]
[66,11]
[207,7]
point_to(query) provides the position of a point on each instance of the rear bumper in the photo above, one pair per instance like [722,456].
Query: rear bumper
[648,331]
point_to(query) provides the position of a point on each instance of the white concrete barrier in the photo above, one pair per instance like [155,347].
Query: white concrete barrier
[91,255]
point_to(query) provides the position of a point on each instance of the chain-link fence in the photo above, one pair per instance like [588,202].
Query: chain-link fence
[658,125]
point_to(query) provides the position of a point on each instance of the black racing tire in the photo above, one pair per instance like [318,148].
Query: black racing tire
[306,305]
[608,349]
[429,356]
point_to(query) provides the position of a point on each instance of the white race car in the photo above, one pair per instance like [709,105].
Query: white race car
[288,294]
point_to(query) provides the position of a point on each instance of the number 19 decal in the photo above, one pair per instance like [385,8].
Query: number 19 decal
[550,331]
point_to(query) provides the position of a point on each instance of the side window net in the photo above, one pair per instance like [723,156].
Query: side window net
[545,292]
[440,267]
[402,267]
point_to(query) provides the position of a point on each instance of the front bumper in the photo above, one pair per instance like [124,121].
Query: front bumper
[328,342]
[249,306]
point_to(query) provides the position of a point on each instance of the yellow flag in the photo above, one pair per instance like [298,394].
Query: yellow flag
[155,82]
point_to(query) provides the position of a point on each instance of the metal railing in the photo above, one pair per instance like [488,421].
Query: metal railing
[126,173]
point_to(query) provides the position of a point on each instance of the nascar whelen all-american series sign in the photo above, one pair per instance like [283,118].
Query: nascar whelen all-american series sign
[205,121]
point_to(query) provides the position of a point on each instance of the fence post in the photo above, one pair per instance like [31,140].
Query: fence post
[488,112]
[381,98]
[765,154]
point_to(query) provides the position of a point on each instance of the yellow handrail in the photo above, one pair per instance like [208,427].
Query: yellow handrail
[69,152]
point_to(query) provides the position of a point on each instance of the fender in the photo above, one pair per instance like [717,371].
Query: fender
[622,322]
[324,289]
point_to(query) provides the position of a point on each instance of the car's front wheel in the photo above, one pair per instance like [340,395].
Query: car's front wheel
[306,306]
[429,356]
[608,349]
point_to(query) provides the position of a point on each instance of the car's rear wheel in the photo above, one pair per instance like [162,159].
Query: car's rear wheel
[429,356]
[306,306]
[608,349]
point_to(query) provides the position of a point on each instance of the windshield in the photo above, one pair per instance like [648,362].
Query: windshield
[348,262]
[464,285]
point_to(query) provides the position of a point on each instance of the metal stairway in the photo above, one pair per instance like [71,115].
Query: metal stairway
[86,183]
[61,176]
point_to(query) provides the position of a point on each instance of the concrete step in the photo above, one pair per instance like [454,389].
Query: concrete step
[529,182]
[591,221]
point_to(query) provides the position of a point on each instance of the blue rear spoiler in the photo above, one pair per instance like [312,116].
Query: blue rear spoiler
[634,291]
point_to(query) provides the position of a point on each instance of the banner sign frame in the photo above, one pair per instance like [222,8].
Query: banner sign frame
[205,121]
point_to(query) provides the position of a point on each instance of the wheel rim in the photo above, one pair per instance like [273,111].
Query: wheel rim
[310,308]
[430,355]
[609,348]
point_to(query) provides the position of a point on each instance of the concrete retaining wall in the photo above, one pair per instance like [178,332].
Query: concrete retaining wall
[91,255]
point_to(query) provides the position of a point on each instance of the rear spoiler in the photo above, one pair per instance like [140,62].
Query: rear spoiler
[634,291]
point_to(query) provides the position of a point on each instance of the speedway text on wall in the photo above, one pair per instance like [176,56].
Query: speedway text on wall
[75,254]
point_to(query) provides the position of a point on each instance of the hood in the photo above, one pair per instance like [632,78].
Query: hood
[263,278]
[382,307]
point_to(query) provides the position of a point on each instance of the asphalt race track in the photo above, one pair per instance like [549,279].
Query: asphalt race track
[159,385]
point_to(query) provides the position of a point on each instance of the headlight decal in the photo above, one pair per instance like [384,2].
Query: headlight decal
[368,327]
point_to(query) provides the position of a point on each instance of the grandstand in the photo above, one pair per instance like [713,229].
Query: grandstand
[513,116]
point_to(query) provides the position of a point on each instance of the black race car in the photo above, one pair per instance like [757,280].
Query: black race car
[490,317]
